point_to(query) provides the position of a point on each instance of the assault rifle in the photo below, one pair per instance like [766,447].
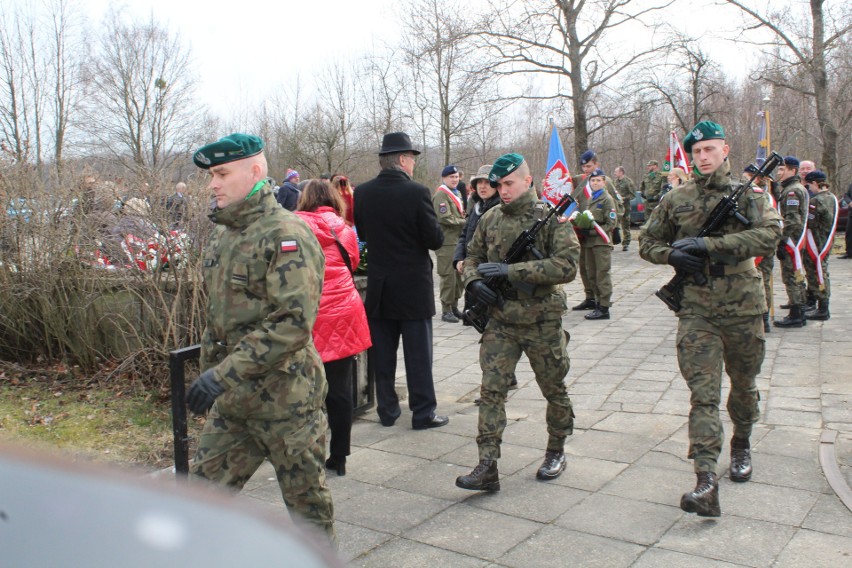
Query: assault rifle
[727,207]
[525,243]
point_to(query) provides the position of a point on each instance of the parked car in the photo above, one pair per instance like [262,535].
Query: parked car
[637,210]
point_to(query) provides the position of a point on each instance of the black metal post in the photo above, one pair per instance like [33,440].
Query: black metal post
[177,378]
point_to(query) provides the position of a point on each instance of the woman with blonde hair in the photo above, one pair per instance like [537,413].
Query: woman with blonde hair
[346,191]
[340,331]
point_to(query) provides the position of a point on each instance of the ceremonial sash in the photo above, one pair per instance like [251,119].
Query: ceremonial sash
[817,255]
[601,233]
[452,196]
[794,249]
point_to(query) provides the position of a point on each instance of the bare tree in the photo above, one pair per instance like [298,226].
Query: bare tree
[141,89]
[574,40]
[15,98]
[66,53]
[440,48]
[808,50]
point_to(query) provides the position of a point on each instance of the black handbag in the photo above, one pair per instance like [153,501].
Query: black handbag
[616,236]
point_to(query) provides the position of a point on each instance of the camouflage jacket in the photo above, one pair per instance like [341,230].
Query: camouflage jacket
[733,287]
[792,200]
[626,189]
[450,217]
[263,269]
[604,211]
[497,230]
[652,186]
[822,217]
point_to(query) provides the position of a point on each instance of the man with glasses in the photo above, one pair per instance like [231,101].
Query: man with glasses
[394,216]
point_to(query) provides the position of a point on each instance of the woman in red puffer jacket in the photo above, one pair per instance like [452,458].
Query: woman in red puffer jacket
[341,330]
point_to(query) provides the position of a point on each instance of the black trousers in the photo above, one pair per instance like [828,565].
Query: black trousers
[338,403]
[848,235]
[417,352]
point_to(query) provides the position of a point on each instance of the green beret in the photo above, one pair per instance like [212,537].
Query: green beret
[505,164]
[228,149]
[704,130]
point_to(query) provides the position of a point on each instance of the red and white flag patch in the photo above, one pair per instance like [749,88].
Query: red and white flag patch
[289,246]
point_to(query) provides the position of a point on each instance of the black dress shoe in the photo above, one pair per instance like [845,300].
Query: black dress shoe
[387,422]
[434,422]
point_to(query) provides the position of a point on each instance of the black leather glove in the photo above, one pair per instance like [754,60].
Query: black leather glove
[780,252]
[691,245]
[685,261]
[493,270]
[482,293]
[203,392]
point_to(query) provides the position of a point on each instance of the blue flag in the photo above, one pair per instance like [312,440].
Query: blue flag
[557,178]
[763,140]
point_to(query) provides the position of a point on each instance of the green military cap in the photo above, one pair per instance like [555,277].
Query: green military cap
[704,130]
[652,163]
[231,148]
[505,164]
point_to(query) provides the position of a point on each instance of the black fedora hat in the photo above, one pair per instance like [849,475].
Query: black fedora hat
[397,142]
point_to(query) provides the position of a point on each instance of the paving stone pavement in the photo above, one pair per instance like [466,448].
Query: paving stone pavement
[617,502]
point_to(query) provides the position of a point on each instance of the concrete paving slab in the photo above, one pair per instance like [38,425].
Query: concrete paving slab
[829,515]
[524,496]
[808,548]
[659,558]
[620,518]
[404,553]
[435,479]
[427,444]
[375,466]
[760,501]
[566,547]
[474,531]
[611,446]
[355,541]
[792,442]
[789,472]
[651,484]
[655,426]
[733,539]
[388,510]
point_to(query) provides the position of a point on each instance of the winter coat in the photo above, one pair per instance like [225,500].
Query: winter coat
[477,209]
[395,217]
[341,328]
[288,196]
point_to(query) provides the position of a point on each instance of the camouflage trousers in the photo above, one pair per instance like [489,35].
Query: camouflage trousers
[451,282]
[598,263]
[702,346]
[546,346]
[231,449]
[625,225]
[765,268]
[814,290]
[794,282]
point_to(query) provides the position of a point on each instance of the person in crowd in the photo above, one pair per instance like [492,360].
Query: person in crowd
[651,187]
[449,208]
[341,330]
[288,193]
[341,183]
[395,217]
[806,167]
[594,228]
[792,200]
[720,318]
[822,224]
[175,204]
[627,191]
[846,201]
[765,264]
[589,162]
[262,382]
[525,321]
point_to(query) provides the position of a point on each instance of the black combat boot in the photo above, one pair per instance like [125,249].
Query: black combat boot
[766,327]
[552,466]
[794,319]
[704,499]
[740,459]
[820,313]
[600,313]
[483,477]
[587,304]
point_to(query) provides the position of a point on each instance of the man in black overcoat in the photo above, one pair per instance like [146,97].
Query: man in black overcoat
[394,215]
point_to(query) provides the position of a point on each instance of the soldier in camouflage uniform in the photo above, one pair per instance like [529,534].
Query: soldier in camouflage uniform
[720,320]
[527,320]
[262,379]
[792,200]
[651,187]
[449,208]
[627,190]
[594,227]
[822,224]
[766,263]
[589,162]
